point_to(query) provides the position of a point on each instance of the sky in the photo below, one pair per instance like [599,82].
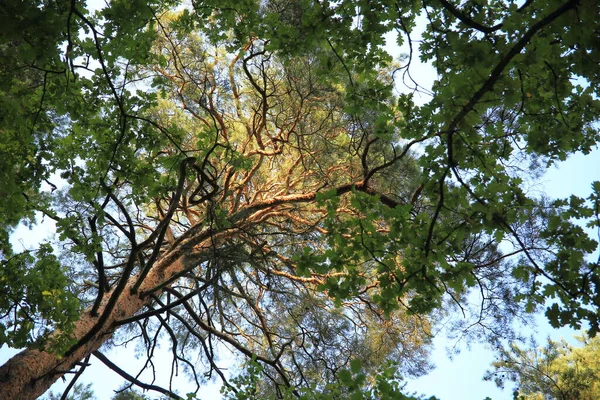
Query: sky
[455,378]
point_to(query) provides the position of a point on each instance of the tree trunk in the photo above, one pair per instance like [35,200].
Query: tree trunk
[30,373]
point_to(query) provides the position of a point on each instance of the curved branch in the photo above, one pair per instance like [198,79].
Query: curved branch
[516,49]
[133,380]
[468,21]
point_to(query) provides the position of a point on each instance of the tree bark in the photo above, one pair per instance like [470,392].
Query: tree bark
[30,373]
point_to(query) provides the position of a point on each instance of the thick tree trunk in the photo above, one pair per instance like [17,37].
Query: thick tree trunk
[31,373]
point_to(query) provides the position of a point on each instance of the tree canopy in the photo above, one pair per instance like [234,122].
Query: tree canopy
[256,177]
[557,370]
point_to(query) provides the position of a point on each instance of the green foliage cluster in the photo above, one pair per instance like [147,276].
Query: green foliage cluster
[557,370]
[31,84]
[80,392]
[353,384]
[35,300]
[85,392]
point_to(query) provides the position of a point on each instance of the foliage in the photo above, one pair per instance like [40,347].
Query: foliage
[34,292]
[80,392]
[248,175]
[30,89]
[352,384]
[85,392]
[126,393]
[557,370]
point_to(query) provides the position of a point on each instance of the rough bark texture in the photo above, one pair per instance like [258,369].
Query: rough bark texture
[31,372]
